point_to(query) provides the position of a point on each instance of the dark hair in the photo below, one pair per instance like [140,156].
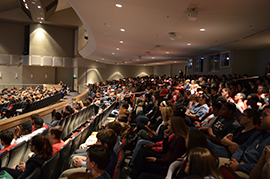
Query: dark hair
[217,106]
[254,96]
[34,116]
[227,90]
[27,126]
[254,114]
[6,137]
[57,131]
[125,105]
[100,155]
[81,175]
[38,121]
[70,109]
[230,106]
[58,116]
[115,126]
[107,136]
[221,99]
[206,97]
[196,139]
[43,146]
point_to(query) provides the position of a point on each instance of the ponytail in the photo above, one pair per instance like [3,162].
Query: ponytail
[43,146]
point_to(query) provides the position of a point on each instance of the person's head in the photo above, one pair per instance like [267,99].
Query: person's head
[249,116]
[33,117]
[26,128]
[260,89]
[203,99]
[69,109]
[98,157]
[214,90]
[265,118]
[178,126]
[41,146]
[217,109]
[57,116]
[124,105]
[228,109]
[225,92]
[252,99]
[55,133]
[202,163]
[239,97]
[166,113]
[115,126]
[106,137]
[195,138]
[221,99]
[6,138]
[38,123]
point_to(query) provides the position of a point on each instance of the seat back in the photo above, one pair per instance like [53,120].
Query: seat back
[35,174]
[27,151]
[48,168]
[16,153]
[63,160]
[75,142]
[4,157]
[228,173]
[119,166]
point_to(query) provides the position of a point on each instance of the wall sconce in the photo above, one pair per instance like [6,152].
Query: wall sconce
[16,75]
[46,75]
[32,75]
[0,74]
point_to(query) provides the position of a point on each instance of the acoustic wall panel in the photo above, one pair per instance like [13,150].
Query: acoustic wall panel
[36,60]
[58,61]
[47,61]
[4,59]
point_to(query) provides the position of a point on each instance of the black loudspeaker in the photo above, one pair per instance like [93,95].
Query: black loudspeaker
[26,39]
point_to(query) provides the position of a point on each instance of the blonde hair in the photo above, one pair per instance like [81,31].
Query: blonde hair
[202,163]
[166,113]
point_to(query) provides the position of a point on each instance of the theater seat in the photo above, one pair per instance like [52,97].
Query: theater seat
[16,154]
[4,157]
[48,168]
[227,173]
[119,166]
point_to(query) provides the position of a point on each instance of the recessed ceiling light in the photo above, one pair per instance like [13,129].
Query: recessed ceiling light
[24,0]
[125,62]
[96,60]
[113,53]
[202,30]
[41,18]
[188,43]
[118,5]
[158,63]
[137,60]
[33,2]
[121,41]
[117,48]
[102,58]
[122,30]
[153,57]
[174,61]
[40,22]
[143,64]
[167,52]
[39,7]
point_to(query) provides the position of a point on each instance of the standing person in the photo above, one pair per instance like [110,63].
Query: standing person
[181,74]
[42,148]
[267,69]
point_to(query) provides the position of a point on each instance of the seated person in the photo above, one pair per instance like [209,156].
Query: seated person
[55,134]
[21,134]
[38,124]
[217,109]
[239,101]
[107,138]
[245,158]
[262,169]
[223,125]
[232,141]
[6,138]
[197,112]
[56,118]
[42,148]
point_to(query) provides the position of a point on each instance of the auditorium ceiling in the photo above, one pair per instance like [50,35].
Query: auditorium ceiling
[159,31]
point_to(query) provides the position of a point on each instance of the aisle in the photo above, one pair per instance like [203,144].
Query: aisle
[69,97]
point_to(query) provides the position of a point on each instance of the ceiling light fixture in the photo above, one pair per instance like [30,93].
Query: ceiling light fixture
[192,14]
[113,53]
[122,30]
[157,48]
[147,53]
[40,22]
[118,5]
[202,30]
[188,43]
[167,52]
[117,48]
[102,58]
[153,57]
[121,41]
[39,7]
[41,18]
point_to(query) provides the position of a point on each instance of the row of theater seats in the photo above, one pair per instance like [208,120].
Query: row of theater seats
[21,107]
[59,162]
